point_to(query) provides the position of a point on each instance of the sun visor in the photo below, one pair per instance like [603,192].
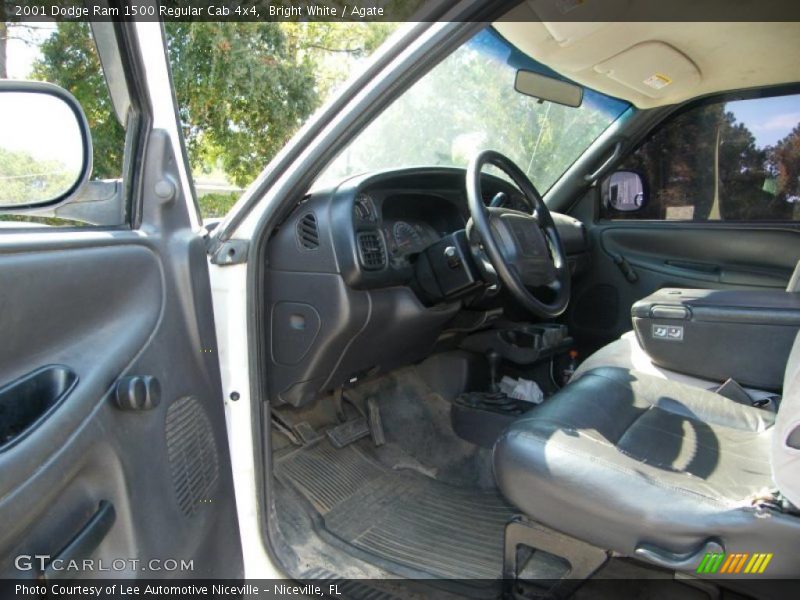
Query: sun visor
[654,69]
[569,21]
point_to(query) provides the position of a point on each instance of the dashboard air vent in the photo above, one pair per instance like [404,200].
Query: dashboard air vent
[307,232]
[371,250]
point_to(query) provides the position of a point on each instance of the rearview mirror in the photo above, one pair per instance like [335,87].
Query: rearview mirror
[547,88]
[45,148]
[624,191]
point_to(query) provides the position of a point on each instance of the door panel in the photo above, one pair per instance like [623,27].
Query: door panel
[106,306]
[113,444]
[668,254]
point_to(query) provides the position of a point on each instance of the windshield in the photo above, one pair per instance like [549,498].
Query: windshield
[468,103]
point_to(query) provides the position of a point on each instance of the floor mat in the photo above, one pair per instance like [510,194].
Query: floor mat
[403,517]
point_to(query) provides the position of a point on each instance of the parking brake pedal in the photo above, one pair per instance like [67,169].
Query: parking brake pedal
[307,433]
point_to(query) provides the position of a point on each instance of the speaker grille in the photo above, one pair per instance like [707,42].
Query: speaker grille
[192,453]
[371,250]
[308,232]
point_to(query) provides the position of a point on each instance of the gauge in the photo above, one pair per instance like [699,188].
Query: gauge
[406,237]
[364,208]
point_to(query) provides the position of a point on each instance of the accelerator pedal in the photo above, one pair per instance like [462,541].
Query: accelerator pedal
[375,422]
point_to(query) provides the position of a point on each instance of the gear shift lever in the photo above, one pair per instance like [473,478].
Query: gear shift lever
[494,359]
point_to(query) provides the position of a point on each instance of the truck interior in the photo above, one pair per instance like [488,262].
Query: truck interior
[479,371]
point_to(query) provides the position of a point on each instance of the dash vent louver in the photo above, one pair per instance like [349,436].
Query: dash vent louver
[308,232]
[371,250]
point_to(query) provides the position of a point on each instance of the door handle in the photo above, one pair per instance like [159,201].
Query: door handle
[628,272]
[84,543]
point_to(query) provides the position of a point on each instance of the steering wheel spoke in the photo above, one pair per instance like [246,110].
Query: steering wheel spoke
[481,258]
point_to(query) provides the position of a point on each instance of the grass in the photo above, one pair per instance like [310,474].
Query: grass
[216,205]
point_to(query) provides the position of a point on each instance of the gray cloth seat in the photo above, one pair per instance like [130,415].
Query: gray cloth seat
[626,461]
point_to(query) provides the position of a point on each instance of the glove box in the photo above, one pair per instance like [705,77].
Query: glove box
[717,334]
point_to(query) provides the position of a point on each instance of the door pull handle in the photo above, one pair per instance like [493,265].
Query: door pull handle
[85,542]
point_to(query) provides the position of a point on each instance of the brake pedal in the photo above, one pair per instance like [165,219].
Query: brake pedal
[348,432]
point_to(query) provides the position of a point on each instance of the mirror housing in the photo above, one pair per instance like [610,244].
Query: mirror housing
[547,88]
[624,191]
[46,148]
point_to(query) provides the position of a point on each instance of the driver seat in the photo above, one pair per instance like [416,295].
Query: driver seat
[660,470]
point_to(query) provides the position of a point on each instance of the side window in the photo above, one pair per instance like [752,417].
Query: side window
[731,161]
[33,166]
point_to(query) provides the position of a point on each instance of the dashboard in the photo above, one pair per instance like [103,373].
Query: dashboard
[404,235]
[343,271]
[385,220]
[401,223]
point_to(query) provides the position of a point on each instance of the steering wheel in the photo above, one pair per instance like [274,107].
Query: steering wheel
[523,250]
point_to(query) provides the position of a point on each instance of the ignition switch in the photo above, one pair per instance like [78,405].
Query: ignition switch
[453,261]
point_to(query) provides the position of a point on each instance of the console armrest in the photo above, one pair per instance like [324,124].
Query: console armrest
[719,334]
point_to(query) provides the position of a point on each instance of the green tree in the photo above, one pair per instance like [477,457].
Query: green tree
[467,103]
[27,180]
[242,92]
[707,161]
[243,89]
[334,47]
[784,165]
[69,58]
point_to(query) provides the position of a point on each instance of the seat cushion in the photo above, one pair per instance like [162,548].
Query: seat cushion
[619,458]
[626,353]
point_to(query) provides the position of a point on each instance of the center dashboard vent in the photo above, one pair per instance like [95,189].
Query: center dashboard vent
[308,232]
[371,250]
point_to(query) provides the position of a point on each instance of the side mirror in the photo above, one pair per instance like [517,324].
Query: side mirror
[45,148]
[624,191]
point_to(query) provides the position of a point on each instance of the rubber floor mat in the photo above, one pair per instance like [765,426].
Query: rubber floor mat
[403,517]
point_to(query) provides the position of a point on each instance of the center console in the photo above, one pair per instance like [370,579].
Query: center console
[480,416]
[521,343]
[719,334]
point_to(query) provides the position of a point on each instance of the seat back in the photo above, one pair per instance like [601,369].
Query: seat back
[785,457]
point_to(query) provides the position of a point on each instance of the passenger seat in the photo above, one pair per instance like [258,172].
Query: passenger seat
[626,353]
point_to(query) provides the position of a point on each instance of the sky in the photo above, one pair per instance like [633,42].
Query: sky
[769,119]
[21,54]
[51,131]
[43,126]
[37,124]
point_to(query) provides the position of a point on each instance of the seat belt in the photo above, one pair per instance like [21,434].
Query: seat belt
[772,500]
[732,390]
[794,280]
